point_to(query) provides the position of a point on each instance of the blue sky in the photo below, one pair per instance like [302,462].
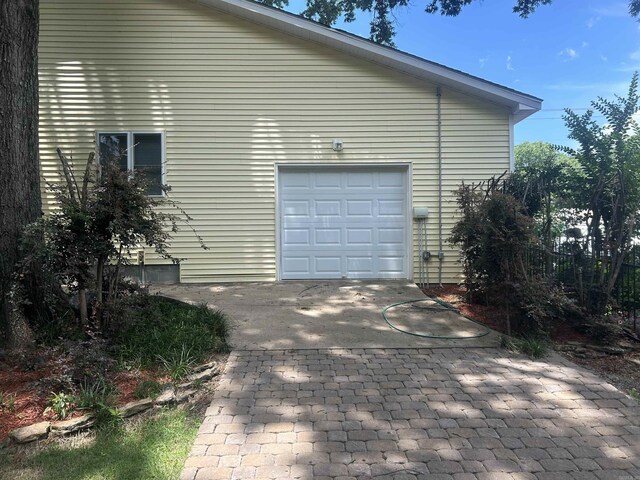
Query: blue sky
[568,53]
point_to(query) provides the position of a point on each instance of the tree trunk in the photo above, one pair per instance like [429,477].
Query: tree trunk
[20,201]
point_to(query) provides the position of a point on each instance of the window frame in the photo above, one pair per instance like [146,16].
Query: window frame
[131,151]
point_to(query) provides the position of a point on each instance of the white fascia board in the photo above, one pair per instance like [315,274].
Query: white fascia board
[520,104]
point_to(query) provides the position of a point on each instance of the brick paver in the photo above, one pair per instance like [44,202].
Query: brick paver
[414,413]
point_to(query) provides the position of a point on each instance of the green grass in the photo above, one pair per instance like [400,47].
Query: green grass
[160,328]
[155,448]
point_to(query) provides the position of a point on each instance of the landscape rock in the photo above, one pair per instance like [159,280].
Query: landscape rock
[204,366]
[204,374]
[184,395]
[64,427]
[30,433]
[135,407]
[608,350]
[167,396]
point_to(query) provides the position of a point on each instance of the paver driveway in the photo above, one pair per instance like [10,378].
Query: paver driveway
[414,413]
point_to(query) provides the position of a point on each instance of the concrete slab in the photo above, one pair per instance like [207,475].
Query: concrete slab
[329,314]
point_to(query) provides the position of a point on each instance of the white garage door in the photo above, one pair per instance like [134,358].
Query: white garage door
[343,222]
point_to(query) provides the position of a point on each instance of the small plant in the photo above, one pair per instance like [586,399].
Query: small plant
[534,346]
[95,394]
[8,402]
[61,404]
[179,365]
[633,393]
[108,417]
[147,389]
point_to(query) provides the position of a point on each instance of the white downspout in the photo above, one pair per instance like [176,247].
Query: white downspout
[440,250]
[512,156]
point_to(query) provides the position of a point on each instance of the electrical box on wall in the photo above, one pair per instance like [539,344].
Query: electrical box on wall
[420,212]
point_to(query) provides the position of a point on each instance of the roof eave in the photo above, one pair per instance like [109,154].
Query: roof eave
[521,105]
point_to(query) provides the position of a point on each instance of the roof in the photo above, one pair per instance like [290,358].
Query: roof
[520,104]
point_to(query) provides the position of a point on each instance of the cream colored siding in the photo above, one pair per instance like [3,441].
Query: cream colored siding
[235,97]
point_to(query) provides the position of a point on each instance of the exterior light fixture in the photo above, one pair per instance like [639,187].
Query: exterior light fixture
[337,145]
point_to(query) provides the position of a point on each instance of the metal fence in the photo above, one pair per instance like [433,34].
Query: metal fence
[578,272]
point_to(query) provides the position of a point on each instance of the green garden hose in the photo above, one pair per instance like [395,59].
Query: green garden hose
[447,306]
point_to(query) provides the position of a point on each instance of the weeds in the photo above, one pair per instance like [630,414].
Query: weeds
[62,404]
[633,393]
[95,394]
[8,402]
[179,365]
[534,347]
[147,389]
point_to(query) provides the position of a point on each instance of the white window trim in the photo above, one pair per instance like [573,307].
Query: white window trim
[131,150]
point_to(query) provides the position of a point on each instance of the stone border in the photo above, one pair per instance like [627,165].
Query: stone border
[170,395]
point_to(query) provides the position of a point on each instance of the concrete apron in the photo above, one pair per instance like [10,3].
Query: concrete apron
[329,314]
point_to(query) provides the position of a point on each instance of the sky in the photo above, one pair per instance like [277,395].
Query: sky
[567,53]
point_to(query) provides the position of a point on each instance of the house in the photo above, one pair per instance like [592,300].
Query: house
[299,150]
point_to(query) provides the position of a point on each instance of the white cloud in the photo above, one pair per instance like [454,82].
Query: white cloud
[604,58]
[483,61]
[585,44]
[568,53]
[635,55]
[592,21]
[509,65]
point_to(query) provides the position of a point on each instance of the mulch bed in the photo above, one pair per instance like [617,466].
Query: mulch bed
[28,381]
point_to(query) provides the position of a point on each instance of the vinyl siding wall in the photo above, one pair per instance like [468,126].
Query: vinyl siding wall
[233,98]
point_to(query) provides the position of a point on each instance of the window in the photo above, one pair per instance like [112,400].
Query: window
[142,153]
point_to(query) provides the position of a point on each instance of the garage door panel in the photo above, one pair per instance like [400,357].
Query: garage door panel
[296,208]
[392,180]
[360,180]
[391,264]
[296,265]
[391,236]
[360,265]
[328,265]
[391,208]
[343,222]
[328,180]
[359,208]
[296,181]
[297,236]
[360,236]
[328,236]
[330,208]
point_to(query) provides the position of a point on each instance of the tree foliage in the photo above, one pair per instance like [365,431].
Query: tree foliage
[101,220]
[608,196]
[545,180]
[382,28]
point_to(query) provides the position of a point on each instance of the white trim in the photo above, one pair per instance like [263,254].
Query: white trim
[131,151]
[521,105]
[512,155]
[408,166]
